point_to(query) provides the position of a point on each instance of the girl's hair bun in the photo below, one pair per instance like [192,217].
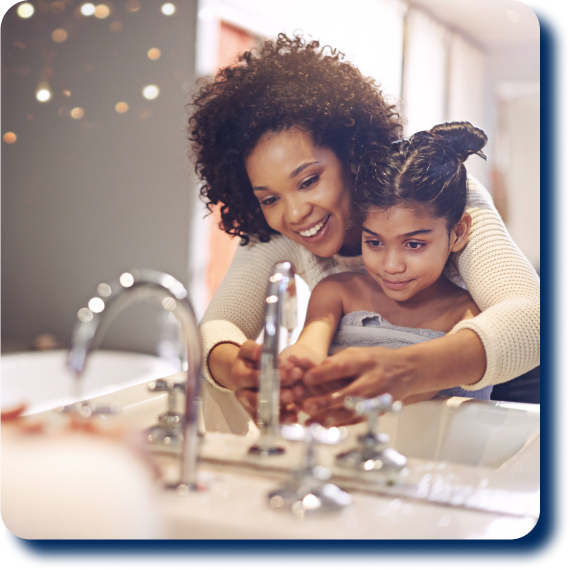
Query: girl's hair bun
[463,137]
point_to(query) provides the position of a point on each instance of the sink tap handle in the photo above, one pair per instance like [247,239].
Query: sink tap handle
[372,408]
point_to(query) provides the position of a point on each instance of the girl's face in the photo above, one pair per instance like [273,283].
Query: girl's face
[304,191]
[405,249]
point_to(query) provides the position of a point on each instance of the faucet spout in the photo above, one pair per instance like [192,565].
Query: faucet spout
[149,285]
[281,310]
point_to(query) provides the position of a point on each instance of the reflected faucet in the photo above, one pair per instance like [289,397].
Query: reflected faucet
[147,285]
[280,310]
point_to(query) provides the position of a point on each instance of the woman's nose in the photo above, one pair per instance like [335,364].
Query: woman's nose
[394,261]
[297,209]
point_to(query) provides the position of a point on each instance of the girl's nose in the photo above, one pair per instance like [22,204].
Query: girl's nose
[393,261]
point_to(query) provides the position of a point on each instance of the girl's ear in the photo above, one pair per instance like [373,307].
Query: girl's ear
[460,233]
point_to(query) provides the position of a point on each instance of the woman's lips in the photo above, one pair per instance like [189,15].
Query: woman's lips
[320,234]
[396,285]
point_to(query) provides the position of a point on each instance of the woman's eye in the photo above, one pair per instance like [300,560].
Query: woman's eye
[415,245]
[309,181]
[374,242]
[268,201]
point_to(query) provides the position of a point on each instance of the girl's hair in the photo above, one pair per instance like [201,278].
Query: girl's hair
[287,82]
[427,168]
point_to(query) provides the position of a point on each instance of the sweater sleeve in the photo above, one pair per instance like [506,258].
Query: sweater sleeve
[236,311]
[506,288]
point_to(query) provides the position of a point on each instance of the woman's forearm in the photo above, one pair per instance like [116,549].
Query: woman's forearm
[446,362]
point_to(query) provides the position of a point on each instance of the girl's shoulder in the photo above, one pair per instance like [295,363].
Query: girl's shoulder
[463,307]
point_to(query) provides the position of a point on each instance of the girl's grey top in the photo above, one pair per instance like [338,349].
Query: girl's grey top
[365,329]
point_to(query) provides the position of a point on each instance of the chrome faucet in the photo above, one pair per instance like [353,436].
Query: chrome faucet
[281,310]
[147,285]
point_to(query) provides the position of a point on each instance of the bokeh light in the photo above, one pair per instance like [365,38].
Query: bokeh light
[104,289]
[132,6]
[59,35]
[168,9]
[121,107]
[116,26]
[58,6]
[153,53]
[101,11]
[25,10]
[96,304]
[43,94]
[150,92]
[77,113]
[85,315]
[88,9]
[126,280]
[66,92]
[10,137]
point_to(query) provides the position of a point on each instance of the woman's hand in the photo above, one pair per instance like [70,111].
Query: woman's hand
[410,374]
[369,371]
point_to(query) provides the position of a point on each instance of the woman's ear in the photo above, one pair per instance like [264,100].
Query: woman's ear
[460,233]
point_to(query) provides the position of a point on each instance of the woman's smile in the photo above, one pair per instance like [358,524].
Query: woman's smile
[304,190]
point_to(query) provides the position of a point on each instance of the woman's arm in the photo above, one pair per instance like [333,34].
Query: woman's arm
[506,288]
[236,312]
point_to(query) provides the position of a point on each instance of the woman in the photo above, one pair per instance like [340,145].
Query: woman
[276,138]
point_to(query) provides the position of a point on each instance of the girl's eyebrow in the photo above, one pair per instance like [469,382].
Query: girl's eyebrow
[410,234]
[415,233]
[292,175]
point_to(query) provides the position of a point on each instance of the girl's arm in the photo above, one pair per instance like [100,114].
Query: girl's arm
[324,312]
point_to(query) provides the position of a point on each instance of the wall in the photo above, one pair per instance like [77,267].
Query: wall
[85,199]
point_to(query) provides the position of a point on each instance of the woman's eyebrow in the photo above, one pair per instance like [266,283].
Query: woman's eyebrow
[301,168]
[292,175]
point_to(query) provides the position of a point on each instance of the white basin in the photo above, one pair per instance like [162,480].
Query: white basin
[42,382]
[473,472]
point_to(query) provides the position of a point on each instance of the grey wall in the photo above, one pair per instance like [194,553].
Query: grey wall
[84,200]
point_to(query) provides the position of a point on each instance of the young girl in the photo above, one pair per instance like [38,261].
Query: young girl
[412,198]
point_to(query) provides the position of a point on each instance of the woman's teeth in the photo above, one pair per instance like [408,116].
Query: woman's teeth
[314,229]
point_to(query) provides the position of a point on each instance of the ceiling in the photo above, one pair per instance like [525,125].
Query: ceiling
[491,23]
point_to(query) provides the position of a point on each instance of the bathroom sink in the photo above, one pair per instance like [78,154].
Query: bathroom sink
[42,382]
[473,472]
[474,456]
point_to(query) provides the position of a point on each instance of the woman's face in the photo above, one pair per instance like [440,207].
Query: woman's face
[304,191]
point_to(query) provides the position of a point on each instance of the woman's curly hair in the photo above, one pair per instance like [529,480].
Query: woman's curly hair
[287,82]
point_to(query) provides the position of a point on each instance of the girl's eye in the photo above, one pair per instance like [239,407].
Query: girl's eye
[374,242]
[268,201]
[415,245]
[309,182]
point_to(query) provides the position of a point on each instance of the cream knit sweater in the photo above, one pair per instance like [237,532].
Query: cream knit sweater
[501,281]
